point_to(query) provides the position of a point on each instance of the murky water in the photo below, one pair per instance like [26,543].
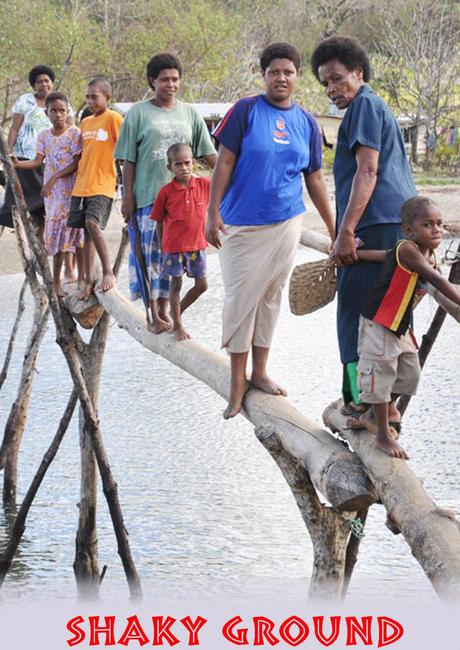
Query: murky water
[207,510]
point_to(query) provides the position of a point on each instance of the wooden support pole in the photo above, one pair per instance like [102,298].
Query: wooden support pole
[14,331]
[432,533]
[15,425]
[328,529]
[20,522]
[65,340]
[334,471]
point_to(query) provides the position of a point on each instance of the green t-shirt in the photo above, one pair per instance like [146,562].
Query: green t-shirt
[146,134]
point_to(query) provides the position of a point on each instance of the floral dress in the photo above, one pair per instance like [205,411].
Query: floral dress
[59,152]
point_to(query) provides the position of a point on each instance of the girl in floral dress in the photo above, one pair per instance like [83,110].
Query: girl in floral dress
[59,148]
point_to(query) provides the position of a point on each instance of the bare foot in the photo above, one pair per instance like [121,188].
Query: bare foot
[391,447]
[158,326]
[108,281]
[87,290]
[370,425]
[268,385]
[59,291]
[164,317]
[181,334]
[235,403]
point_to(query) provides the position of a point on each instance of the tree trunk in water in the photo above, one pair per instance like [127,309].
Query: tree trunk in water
[329,531]
[86,564]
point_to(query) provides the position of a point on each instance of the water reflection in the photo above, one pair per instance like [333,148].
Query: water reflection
[206,508]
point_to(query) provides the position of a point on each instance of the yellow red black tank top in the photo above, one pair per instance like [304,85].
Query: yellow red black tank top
[391,299]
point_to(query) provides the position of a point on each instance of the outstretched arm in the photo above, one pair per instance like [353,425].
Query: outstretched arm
[316,188]
[29,164]
[412,259]
[220,181]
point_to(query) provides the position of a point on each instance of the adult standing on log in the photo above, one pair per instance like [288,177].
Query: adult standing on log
[148,130]
[266,143]
[29,120]
[372,181]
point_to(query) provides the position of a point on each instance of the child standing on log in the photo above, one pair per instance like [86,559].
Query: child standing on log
[95,184]
[59,148]
[180,213]
[388,363]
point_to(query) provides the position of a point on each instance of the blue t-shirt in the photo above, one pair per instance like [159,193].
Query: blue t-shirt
[370,123]
[273,146]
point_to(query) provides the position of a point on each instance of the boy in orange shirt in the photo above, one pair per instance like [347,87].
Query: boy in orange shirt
[95,184]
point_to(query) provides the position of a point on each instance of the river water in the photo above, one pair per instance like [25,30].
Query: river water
[207,510]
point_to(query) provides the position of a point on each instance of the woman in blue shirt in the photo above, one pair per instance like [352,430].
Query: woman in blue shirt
[372,181]
[266,144]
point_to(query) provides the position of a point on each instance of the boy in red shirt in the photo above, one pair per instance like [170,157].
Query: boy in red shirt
[180,213]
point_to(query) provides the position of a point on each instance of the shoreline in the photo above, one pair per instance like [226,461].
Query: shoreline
[448,199]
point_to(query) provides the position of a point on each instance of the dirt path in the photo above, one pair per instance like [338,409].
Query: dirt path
[448,198]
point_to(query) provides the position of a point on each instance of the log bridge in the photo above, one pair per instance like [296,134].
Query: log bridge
[350,476]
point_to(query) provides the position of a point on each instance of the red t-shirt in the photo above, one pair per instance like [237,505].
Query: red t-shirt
[182,208]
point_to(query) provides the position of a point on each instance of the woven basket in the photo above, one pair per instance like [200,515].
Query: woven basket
[312,286]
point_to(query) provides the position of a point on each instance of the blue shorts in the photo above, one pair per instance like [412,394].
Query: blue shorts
[176,264]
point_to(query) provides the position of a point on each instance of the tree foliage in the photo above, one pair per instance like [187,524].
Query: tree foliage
[414,46]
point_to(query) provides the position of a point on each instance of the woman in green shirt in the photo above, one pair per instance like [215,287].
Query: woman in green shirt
[148,130]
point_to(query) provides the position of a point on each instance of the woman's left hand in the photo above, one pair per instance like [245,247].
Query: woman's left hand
[48,186]
[214,226]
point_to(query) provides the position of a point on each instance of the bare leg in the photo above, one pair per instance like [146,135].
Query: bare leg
[385,441]
[200,286]
[174,301]
[57,268]
[238,384]
[259,377]
[163,310]
[88,255]
[108,279]
[69,263]
[80,266]
[159,325]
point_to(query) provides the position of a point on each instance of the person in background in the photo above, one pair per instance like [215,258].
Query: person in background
[95,183]
[180,213]
[29,120]
[58,148]
[149,129]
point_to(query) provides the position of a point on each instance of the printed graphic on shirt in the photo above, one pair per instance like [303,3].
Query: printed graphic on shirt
[169,136]
[280,134]
[102,135]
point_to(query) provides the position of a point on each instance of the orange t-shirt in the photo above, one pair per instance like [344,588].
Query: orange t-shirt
[96,171]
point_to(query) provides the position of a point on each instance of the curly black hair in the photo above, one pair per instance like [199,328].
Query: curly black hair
[53,97]
[416,207]
[38,70]
[159,62]
[345,49]
[279,51]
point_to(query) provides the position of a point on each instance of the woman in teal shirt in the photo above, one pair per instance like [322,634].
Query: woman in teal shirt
[148,130]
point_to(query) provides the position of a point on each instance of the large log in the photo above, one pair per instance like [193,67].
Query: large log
[432,533]
[334,471]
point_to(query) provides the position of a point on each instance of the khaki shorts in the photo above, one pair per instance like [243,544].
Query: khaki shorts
[388,364]
[95,208]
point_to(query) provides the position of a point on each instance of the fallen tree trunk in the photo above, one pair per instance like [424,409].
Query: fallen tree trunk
[334,471]
[432,533]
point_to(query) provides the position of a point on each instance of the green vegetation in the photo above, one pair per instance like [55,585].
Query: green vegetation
[414,47]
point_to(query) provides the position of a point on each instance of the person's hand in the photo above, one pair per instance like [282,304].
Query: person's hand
[344,249]
[214,226]
[128,207]
[48,186]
